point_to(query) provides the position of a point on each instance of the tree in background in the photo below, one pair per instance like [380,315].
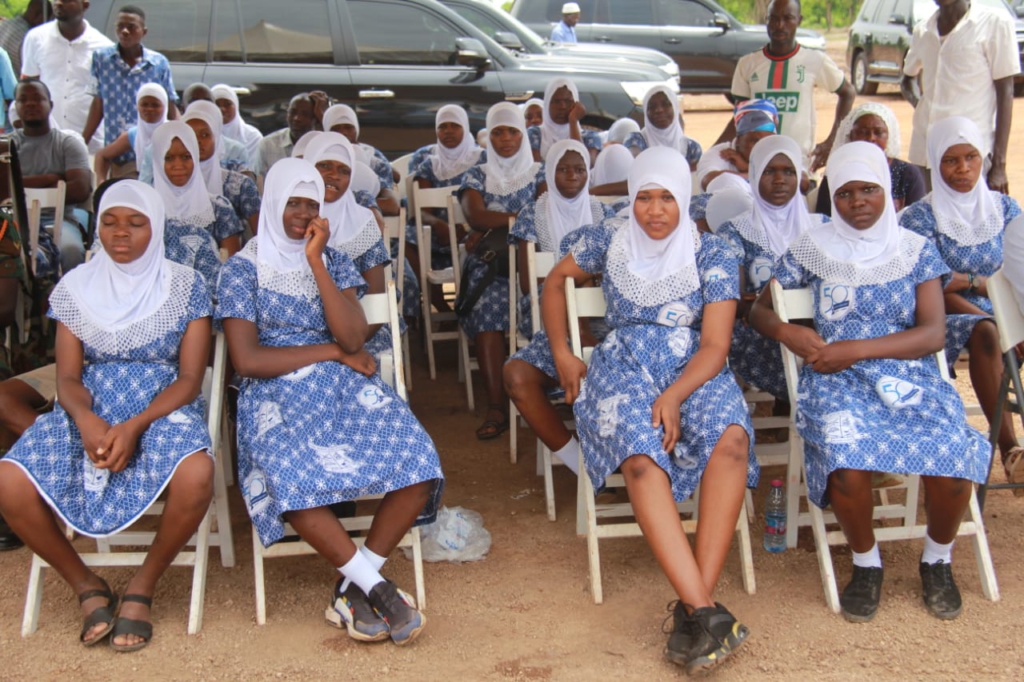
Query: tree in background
[11,8]
[821,13]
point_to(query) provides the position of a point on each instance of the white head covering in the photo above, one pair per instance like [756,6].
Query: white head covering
[778,225]
[482,138]
[725,181]
[655,259]
[190,204]
[449,163]
[571,8]
[612,165]
[364,179]
[114,295]
[969,218]
[345,217]
[236,129]
[302,144]
[880,243]
[144,131]
[892,147]
[532,102]
[673,136]
[564,214]
[621,129]
[551,132]
[343,113]
[506,175]
[731,197]
[277,254]
[209,113]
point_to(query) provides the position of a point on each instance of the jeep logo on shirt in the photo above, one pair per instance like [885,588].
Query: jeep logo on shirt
[785,102]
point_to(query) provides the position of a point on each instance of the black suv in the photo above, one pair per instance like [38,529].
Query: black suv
[395,61]
[880,38]
[704,39]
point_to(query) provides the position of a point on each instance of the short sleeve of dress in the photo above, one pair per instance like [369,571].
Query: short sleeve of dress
[344,272]
[592,140]
[1011,209]
[790,273]
[248,196]
[474,178]
[199,304]
[372,257]
[524,228]
[693,151]
[533,135]
[365,199]
[236,290]
[418,158]
[919,218]
[225,223]
[930,264]
[382,168]
[635,141]
[732,239]
[607,210]
[591,246]
[719,270]
[699,206]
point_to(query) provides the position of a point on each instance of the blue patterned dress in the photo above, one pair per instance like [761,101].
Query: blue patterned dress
[123,371]
[755,358]
[638,142]
[193,247]
[591,139]
[225,223]
[324,433]
[655,331]
[699,206]
[491,310]
[979,259]
[898,416]
[367,251]
[240,191]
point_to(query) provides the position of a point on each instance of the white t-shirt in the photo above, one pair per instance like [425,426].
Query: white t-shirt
[789,83]
[65,68]
[957,72]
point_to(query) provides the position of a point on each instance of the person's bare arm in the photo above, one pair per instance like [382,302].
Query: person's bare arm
[253,360]
[729,134]
[75,398]
[523,265]
[173,114]
[571,370]
[101,164]
[846,95]
[388,202]
[479,216]
[997,179]
[232,244]
[801,340]
[344,314]
[92,121]
[611,189]
[376,284]
[78,185]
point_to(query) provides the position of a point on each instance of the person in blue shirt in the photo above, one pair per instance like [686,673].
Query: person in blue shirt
[7,82]
[565,30]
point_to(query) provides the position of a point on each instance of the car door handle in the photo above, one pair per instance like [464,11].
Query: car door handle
[673,41]
[376,94]
[603,39]
[240,91]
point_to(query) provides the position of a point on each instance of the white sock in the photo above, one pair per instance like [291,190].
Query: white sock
[869,559]
[936,551]
[376,560]
[360,571]
[570,455]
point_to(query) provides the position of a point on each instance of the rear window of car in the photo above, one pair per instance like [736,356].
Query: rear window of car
[179,29]
[401,34]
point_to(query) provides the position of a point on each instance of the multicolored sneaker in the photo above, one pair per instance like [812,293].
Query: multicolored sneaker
[716,636]
[398,610]
[352,611]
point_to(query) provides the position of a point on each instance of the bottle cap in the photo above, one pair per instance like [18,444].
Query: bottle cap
[777,483]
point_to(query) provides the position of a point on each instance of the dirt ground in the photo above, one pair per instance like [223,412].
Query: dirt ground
[525,613]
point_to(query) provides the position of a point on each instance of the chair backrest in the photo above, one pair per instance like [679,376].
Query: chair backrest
[539,265]
[425,199]
[214,392]
[383,309]
[582,302]
[401,165]
[394,228]
[36,200]
[1009,319]
[456,217]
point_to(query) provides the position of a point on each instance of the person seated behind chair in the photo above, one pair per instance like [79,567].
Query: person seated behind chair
[550,223]
[151,106]
[965,220]
[562,120]
[49,155]
[663,127]
[341,118]
[235,128]
[133,342]
[278,145]
[316,425]
[533,111]
[872,397]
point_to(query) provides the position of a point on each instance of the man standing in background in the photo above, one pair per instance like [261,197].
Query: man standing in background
[565,30]
[12,31]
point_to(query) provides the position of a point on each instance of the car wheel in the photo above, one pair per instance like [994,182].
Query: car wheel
[860,75]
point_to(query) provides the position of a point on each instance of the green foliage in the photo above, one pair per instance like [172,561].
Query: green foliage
[817,13]
[10,8]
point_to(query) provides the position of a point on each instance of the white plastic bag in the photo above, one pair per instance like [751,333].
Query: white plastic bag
[456,535]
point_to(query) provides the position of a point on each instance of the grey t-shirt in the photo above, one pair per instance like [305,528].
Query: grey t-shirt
[58,151]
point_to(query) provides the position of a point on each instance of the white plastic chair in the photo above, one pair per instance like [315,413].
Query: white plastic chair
[589,302]
[401,166]
[424,199]
[394,228]
[798,304]
[466,363]
[379,309]
[205,537]
[36,200]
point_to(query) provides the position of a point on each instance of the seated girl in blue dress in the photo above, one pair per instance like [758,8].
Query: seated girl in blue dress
[872,397]
[316,425]
[562,120]
[133,339]
[663,127]
[151,104]
[659,401]
[341,118]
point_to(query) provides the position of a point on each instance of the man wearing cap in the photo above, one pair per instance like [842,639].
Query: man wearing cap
[565,30]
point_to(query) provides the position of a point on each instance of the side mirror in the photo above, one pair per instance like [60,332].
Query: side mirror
[721,21]
[508,40]
[472,53]
[897,19]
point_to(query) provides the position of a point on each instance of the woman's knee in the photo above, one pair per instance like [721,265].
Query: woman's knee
[15,488]
[984,340]
[636,467]
[517,378]
[733,446]
[194,479]
[846,483]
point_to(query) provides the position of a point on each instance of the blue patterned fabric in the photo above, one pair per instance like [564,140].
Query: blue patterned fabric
[654,333]
[897,416]
[195,248]
[381,167]
[226,223]
[97,502]
[637,141]
[240,191]
[324,433]
[591,139]
[699,206]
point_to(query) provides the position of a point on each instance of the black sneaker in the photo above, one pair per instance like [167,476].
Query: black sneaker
[681,635]
[859,600]
[398,610]
[8,540]
[939,590]
[716,635]
[351,610]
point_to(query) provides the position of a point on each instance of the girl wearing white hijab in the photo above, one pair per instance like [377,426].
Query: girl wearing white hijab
[533,111]
[659,401]
[133,340]
[151,103]
[620,130]
[611,167]
[966,221]
[490,194]
[312,428]
[728,196]
[563,113]
[179,182]
[235,128]
[872,398]
[663,127]
[341,118]
[299,150]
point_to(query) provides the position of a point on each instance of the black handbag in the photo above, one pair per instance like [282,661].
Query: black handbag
[492,251]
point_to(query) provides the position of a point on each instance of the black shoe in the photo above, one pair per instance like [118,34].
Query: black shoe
[716,635]
[398,610]
[939,590]
[8,540]
[859,600]
[684,631]
[351,610]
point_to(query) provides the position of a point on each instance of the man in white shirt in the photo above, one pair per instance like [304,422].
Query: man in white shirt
[59,53]
[565,30]
[966,55]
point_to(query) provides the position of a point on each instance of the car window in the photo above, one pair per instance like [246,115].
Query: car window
[683,13]
[478,19]
[634,12]
[885,10]
[291,31]
[227,26]
[177,29]
[399,33]
[867,12]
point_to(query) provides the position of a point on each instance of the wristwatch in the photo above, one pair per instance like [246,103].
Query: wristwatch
[972,283]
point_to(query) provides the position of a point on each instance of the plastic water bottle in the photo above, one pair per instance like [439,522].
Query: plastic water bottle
[775,519]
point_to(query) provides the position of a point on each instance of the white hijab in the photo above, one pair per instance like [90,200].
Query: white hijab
[343,113]
[673,136]
[620,130]
[302,144]
[113,295]
[364,179]
[276,252]
[449,163]
[345,217]
[532,102]
[969,218]
[144,131]
[880,243]
[779,225]
[236,129]
[213,172]
[564,214]
[612,165]
[551,132]
[506,175]
[654,259]
[892,147]
[731,197]
[190,204]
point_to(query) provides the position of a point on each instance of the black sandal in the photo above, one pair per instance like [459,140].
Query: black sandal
[492,428]
[129,626]
[101,614]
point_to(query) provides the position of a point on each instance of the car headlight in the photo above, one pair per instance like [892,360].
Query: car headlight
[637,90]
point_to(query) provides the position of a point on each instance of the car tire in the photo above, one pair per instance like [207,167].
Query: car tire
[859,75]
